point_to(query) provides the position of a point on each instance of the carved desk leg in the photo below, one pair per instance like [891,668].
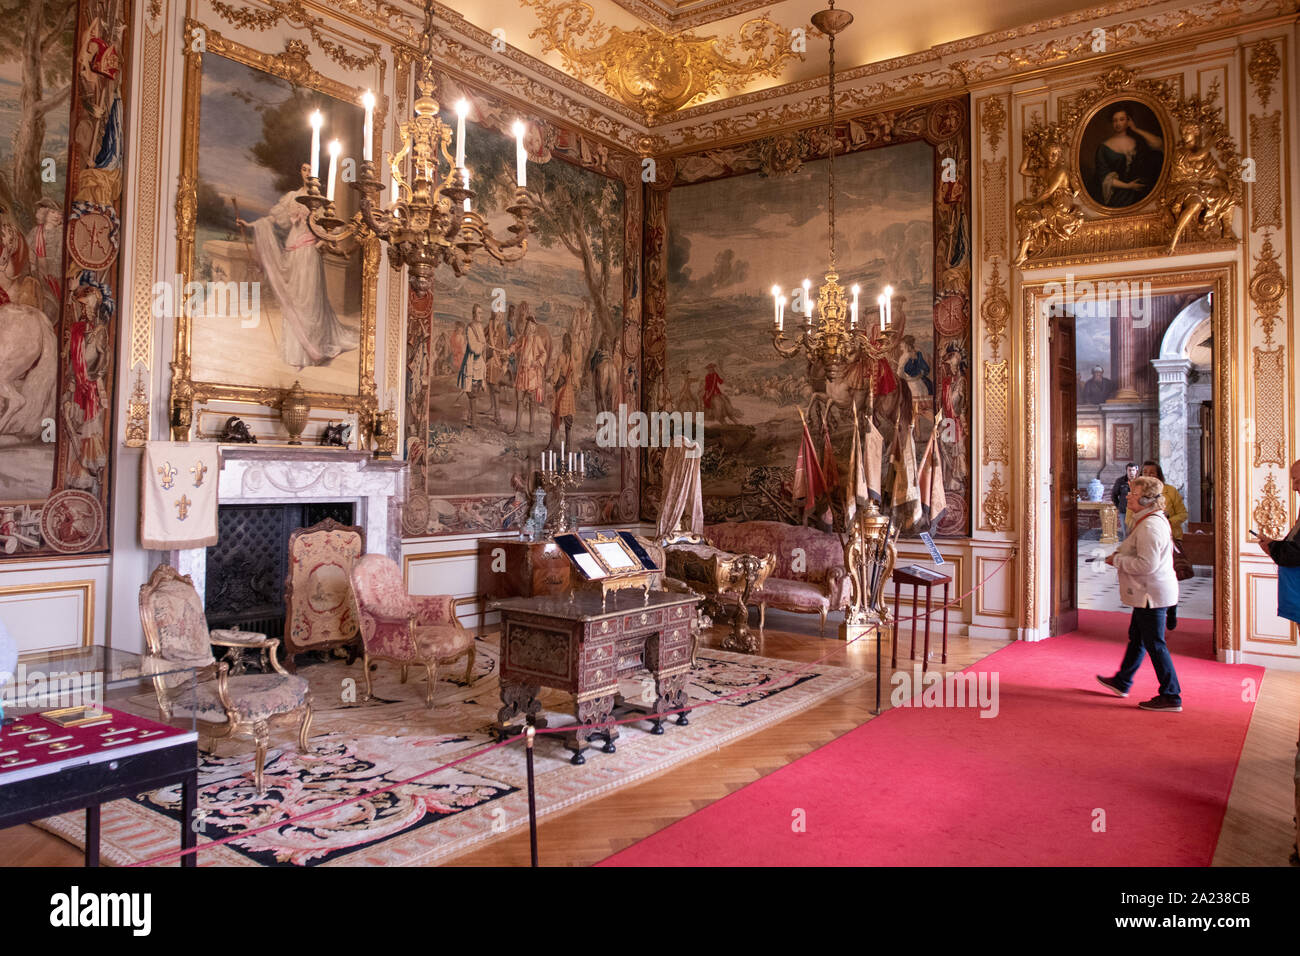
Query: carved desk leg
[518,699]
[672,696]
[593,710]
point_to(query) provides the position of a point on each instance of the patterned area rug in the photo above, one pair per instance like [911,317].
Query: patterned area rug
[357,748]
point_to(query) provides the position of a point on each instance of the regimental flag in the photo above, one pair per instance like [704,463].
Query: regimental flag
[830,470]
[934,500]
[906,495]
[809,480]
[858,490]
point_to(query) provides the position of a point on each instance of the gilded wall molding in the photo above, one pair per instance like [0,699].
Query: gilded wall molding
[996,434]
[996,309]
[1270,513]
[1263,69]
[994,187]
[997,504]
[149,127]
[1266,190]
[297,16]
[1267,287]
[1269,370]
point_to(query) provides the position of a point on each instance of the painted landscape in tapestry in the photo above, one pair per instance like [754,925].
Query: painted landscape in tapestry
[545,335]
[35,111]
[729,241]
[254,140]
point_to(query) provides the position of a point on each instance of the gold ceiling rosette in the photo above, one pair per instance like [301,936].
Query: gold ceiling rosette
[655,71]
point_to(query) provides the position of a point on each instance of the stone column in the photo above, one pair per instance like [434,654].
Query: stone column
[1193,495]
[1173,419]
[1123,352]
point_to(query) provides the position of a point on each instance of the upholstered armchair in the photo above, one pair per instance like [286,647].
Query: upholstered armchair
[320,609]
[176,635]
[406,628]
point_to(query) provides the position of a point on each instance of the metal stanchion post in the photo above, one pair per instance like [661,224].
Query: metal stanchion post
[531,734]
[880,636]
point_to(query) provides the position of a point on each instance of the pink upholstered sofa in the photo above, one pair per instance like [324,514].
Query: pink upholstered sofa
[820,584]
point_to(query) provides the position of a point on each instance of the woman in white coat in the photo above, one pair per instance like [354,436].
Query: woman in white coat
[1147,583]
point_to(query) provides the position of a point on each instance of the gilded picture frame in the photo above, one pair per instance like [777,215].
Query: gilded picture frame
[1149,164]
[290,65]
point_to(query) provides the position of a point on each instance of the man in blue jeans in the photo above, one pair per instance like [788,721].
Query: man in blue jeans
[1147,583]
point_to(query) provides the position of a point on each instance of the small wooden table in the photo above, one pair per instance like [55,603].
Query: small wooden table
[918,576]
[571,644]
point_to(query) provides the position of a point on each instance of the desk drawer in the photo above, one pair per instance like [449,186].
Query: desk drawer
[640,620]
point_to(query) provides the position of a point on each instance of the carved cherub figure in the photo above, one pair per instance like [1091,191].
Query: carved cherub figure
[1199,191]
[1051,213]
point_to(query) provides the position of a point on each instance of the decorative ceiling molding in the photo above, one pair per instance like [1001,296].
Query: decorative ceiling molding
[659,72]
[653,12]
[946,68]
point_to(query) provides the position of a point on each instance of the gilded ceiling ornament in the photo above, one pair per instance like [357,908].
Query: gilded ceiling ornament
[1263,68]
[1051,212]
[1270,514]
[655,71]
[1267,287]
[296,15]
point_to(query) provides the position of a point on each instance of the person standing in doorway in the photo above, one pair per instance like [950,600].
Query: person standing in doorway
[1119,493]
[1175,511]
[1145,563]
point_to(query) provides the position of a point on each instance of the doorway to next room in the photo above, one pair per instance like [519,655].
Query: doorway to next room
[1131,393]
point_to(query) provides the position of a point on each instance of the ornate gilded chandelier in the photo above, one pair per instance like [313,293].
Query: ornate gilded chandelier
[431,220]
[838,338]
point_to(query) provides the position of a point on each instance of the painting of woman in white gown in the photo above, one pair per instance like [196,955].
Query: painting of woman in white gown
[286,251]
[254,144]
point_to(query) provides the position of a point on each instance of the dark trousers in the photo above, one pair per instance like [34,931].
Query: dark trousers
[1146,635]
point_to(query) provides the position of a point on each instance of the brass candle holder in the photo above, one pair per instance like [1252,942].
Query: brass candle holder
[558,479]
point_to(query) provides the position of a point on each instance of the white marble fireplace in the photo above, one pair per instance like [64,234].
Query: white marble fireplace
[264,474]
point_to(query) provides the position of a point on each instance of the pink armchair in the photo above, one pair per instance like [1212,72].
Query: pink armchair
[406,628]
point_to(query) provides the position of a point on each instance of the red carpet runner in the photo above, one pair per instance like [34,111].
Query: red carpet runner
[1062,759]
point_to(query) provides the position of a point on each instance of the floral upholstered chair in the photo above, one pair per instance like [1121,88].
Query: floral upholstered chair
[176,634]
[407,628]
[320,609]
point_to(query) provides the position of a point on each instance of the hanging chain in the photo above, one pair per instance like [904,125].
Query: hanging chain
[833,145]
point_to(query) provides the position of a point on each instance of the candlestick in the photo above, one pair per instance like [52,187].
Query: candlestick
[462,109]
[521,156]
[316,120]
[335,147]
[368,130]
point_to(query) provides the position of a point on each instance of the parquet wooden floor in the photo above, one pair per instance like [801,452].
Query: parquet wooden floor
[1257,830]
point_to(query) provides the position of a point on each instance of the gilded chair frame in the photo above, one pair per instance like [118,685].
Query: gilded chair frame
[234,726]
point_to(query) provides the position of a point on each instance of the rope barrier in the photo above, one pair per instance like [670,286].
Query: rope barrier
[840,648]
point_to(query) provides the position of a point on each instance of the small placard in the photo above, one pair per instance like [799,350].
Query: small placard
[929,544]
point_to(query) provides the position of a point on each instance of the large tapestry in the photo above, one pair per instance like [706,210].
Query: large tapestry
[62,72]
[737,221]
[511,361]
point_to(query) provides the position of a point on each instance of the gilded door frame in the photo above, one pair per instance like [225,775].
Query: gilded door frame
[1221,281]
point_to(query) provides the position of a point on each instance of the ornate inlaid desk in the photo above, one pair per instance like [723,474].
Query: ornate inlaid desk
[570,644]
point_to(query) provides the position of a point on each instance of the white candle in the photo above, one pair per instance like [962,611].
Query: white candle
[853,315]
[582,466]
[521,156]
[776,305]
[316,120]
[462,109]
[889,305]
[807,299]
[561,449]
[466,176]
[780,325]
[880,303]
[368,131]
[335,147]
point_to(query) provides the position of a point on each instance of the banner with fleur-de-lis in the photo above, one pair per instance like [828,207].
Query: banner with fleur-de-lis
[178,495]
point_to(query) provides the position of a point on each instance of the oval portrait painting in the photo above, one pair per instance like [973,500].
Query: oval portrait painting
[1122,153]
